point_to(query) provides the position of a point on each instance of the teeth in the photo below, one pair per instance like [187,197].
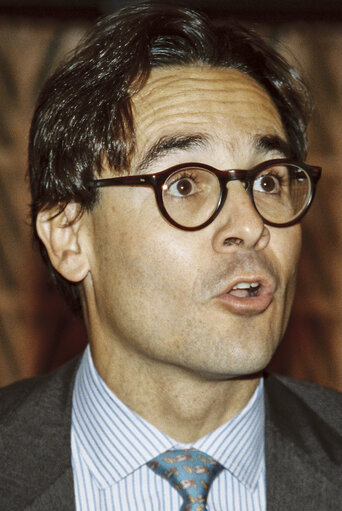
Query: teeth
[246,285]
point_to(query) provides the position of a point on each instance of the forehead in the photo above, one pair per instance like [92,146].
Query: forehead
[224,105]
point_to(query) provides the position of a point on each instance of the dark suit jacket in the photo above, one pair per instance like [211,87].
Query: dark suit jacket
[303,445]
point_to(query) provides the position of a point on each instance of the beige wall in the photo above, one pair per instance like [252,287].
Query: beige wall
[36,330]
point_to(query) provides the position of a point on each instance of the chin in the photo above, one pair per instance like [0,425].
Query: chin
[231,368]
[247,364]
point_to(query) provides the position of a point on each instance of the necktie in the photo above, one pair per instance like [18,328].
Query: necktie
[191,472]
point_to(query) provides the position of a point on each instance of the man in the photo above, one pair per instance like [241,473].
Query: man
[168,185]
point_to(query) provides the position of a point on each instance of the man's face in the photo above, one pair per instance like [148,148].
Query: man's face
[158,294]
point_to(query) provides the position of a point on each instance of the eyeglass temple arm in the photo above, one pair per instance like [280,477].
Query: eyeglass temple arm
[124,181]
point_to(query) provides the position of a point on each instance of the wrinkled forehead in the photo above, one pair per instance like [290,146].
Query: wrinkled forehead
[224,105]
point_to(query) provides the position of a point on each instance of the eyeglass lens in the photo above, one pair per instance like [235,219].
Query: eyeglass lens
[280,194]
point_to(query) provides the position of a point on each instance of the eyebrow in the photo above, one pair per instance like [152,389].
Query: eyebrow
[267,143]
[167,144]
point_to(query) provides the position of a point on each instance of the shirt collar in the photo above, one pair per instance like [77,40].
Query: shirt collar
[239,444]
[115,441]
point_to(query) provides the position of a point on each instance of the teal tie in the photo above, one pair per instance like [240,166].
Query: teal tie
[191,472]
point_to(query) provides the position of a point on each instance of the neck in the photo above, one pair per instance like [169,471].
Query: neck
[184,404]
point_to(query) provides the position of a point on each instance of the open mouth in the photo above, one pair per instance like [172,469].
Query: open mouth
[249,296]
[245,289]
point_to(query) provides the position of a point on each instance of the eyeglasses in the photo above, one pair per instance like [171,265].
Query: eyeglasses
[191,195]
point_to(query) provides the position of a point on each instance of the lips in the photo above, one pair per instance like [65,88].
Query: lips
[248,295]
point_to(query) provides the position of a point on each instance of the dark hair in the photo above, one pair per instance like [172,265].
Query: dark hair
[84,113]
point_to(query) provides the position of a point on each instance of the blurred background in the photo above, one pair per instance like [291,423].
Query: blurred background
[37,331]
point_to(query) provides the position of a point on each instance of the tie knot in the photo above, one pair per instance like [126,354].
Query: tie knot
[190,472]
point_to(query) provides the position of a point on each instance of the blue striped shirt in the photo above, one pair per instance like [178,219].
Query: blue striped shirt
[111,445]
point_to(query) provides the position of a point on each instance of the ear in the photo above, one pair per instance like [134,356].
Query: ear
[61,234]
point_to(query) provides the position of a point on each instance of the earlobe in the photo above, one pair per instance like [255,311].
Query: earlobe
[60,232]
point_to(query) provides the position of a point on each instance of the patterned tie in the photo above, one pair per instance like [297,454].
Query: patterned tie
[191,472]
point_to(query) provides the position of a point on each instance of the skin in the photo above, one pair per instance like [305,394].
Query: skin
[165,335]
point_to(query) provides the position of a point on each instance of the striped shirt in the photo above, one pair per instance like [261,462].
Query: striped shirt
[111,446]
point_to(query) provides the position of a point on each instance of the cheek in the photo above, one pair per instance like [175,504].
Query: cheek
[139,256]
[284,249]
[286,244]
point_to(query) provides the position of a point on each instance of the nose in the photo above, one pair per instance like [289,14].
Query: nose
[238,224]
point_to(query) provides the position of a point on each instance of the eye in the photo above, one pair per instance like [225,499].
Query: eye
[268,183]
[183,186]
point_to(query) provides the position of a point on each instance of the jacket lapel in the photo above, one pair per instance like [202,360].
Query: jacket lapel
[40,423]
[58,493]
[56,497]
[301,463]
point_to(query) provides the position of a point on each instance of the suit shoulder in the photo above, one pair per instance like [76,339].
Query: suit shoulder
[24,395]
[35,422]
[321,401]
